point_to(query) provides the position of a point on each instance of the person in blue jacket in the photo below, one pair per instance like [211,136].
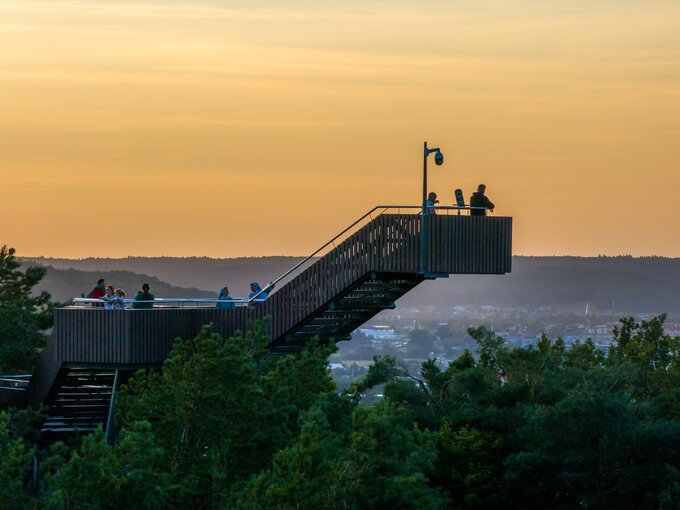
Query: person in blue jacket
[431,203]
[224,300]
[255,291]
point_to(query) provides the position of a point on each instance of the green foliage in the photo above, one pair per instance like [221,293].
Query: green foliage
[467,465]
[491,348]
[15,466]
[382,370]
[593,449]
[97,476]
[23,316]
[221,409]
[420,343]
[368,462]
[224,425]
[550,426]
[645,345]
[305,475]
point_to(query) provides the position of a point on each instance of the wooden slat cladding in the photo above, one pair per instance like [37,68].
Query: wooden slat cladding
[389,243]
[470,245]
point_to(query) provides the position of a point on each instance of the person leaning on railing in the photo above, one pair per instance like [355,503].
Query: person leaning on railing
[256,292]
[118,303]
[224,300]
[97,292]
[108,297]
[479,202]
[143,295]
[431,201]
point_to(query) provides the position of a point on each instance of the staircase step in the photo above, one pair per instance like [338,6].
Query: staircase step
[342,307]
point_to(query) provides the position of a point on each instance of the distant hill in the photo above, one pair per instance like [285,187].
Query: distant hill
[65,284]
[192,272]
[621,284]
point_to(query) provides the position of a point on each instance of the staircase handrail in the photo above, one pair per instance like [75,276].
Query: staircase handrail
[272,284]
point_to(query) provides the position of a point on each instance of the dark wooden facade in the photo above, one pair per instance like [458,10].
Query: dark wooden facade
[387,248]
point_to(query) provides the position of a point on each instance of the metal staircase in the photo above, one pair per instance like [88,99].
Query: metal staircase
[350,309]
[78,403]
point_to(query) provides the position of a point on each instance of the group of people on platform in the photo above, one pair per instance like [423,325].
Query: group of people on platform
[112,299]
[479,202]
[226,302]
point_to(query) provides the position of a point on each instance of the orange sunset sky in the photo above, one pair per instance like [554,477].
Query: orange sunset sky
[231,128]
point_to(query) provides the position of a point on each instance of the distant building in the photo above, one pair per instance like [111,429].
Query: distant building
[379,333]
[602,334]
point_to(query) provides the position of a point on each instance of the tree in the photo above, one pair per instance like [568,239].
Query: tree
[420,344]
[371,461]
[96,476]
[15,466]
[469,465]
[23,316]
[593,449]
[221,409]
[305,475]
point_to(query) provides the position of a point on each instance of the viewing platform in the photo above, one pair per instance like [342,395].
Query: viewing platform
[351,278]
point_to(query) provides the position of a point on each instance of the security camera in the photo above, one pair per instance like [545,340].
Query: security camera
[439,158]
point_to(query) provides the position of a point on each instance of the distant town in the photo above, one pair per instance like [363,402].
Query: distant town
[414,335]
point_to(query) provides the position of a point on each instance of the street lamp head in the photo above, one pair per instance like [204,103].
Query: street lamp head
[439,158]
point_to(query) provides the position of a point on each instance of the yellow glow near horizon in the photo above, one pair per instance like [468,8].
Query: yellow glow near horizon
[232,128]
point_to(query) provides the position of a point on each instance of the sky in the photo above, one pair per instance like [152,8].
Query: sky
[234,128]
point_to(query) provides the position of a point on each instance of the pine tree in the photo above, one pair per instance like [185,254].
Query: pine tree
[23,316]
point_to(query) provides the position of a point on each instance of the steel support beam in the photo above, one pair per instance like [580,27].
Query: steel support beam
[111,432]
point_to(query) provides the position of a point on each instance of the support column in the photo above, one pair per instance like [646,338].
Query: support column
[111,432]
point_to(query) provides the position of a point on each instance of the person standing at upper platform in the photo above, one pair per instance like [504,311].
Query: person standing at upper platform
[144,295]
[431,201]
[224,300]
[481,201]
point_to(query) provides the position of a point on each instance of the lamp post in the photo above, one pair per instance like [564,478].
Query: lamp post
[439,160]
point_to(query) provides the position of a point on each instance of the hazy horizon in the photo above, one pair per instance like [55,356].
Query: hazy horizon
[636,284]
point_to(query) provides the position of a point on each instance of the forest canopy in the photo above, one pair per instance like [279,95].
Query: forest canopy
[224,425]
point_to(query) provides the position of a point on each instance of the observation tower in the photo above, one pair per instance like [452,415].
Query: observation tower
[352,277]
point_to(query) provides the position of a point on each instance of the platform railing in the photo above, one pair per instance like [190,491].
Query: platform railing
[128,304]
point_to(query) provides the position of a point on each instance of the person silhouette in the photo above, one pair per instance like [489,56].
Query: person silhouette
[479,202]
[431,201]
[144,295]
